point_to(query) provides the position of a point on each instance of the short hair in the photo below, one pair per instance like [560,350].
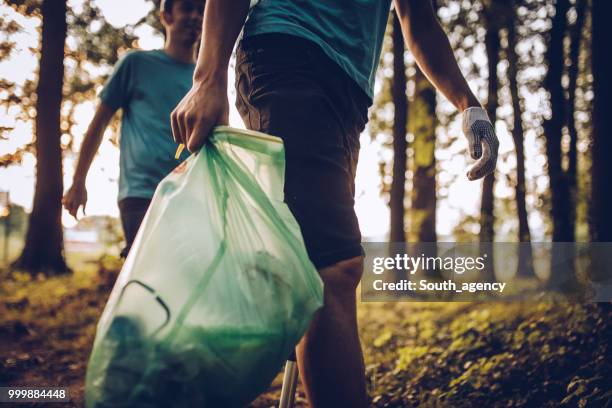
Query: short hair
[166,5]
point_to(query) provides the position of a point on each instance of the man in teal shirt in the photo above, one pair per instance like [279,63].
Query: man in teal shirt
[146,86]
[305,72]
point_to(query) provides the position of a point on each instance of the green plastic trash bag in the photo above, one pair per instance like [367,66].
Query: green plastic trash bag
[217,289]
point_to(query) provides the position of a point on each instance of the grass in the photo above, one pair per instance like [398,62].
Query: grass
[416,354]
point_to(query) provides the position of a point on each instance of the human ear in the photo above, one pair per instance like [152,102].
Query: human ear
[166,18]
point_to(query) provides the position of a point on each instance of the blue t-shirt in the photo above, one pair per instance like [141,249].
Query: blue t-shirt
[147,86]
[350,32]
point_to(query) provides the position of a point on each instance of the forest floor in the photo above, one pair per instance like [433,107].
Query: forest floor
[417,354]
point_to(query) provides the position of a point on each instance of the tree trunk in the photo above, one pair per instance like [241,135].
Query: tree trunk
[423,209]
[525,263]
[43,251]
[487,220]
[601,205]
[563,225]
[423,120]
[601,194]
[572,173]
[400,103]
[562,276]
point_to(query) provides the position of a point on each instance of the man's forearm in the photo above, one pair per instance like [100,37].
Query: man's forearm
[223,20]
[432,51]
[90,145]
[91,142]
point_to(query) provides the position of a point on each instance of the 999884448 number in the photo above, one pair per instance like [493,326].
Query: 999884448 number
[34,394]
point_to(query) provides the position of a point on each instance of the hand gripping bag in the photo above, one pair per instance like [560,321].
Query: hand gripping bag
[216,290]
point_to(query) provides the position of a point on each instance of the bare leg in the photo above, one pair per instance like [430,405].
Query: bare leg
[329,354]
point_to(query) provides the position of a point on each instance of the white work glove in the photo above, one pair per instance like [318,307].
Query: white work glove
[483,143]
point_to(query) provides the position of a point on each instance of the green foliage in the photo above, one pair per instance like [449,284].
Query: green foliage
[17,220]
[494,366]
[29,8]
[416,354]
[465,25]
[408,355]
[383,338]
[109,229]
[48,324]
[470,354]
[93,46]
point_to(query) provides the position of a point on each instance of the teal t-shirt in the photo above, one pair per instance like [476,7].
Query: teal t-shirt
[350,32]
[147,86]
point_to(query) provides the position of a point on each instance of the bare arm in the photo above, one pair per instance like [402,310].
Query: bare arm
[206,105]
[92,140]
[223,20]
[76,196]
[432,51]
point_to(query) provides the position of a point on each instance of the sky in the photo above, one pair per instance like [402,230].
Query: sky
[371,208]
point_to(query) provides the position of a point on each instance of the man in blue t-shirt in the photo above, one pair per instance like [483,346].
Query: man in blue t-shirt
[146,86]
[305,72]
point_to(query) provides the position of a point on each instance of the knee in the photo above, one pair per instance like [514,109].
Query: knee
[344,275]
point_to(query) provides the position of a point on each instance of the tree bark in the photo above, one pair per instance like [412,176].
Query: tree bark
[601,193]
[563,226]
[601,204]
[400,103]
[424,122]
[562,275]
[43,251]
[423,210]
[525,263]
[487,217]
[572,173]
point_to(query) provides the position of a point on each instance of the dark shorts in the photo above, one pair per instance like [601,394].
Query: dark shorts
[287,87]
[132,211]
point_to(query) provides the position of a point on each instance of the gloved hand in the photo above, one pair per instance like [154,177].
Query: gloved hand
[483,143]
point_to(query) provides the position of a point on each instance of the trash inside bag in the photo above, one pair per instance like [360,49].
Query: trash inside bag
[217,289]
